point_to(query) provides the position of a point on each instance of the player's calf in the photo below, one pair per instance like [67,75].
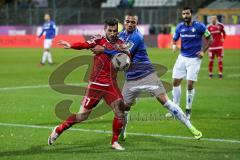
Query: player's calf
[118,109]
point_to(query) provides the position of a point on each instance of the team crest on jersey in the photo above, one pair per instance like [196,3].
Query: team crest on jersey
[130,44]
[193,29]
[183,30]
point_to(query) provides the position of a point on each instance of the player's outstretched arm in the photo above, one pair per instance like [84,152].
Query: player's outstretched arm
[65,44]
[78,45]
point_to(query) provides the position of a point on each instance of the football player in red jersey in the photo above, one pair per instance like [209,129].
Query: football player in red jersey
[102,84]
[216,48]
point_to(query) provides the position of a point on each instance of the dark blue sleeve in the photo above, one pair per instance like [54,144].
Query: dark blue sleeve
[54,28]
[177,33]
[110,52]
[202,28]
[40,35]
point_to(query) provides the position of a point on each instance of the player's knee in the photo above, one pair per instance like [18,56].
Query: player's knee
[176,82]
[190,85]
[82,116]
[220,59]
[127,106]
[162,98]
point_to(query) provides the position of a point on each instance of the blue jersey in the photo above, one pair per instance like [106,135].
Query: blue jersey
[140,63]
[191,38]
[50,28]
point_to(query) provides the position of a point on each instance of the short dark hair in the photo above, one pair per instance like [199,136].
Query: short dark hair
[130,14]
[111,21]
[187,8]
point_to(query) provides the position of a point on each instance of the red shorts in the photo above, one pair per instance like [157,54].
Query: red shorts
[215,52]
[95,93]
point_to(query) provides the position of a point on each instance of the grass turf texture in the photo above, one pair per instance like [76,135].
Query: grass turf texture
[216,113]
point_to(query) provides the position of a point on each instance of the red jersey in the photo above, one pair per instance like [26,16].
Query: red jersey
[103,72]
[218,33]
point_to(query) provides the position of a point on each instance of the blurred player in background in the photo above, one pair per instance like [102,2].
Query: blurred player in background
[142,77]
[188,62]
[50,28]
[102,84]
[216,49]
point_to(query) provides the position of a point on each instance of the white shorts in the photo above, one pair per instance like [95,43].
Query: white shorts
[151,84]
[186,68]
[47,43]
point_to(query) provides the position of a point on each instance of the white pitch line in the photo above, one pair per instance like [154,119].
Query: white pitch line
[129,133]
[34,86]
[23,87]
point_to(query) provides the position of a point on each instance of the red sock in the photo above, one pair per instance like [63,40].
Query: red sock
[210,65]
[117,128]
[220,65]
[71,120]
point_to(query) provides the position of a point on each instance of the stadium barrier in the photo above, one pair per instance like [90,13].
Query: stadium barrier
[160,41]
[26,36]
[31,41]
[231,41]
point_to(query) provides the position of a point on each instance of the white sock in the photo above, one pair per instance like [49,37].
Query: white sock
[49,57]
[126,118]
[177,112]
[44,56]
[189,98]
[176,93]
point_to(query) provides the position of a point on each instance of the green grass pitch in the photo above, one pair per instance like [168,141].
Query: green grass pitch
[27,113]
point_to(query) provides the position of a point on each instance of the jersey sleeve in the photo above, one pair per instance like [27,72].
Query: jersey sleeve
[110,52]
[223,31]
[43,30]
[84,45]
[54,27]
[176,35]
[204,31]
[92,42]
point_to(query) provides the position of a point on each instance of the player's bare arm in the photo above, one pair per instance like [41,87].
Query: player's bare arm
[205,47]
[174,46]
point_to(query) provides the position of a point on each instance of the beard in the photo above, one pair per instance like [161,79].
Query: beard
[187,19]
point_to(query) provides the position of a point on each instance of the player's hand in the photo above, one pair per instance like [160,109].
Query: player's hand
[121,47]
[222,40]
[97,49]
[201,54]
[65,44]
[174,48]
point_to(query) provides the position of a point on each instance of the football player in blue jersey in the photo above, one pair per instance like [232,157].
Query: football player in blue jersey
[142,77]
[50,28]
[189,60]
